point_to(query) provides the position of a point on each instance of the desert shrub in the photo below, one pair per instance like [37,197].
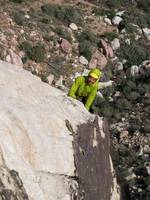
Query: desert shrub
[104,12]
[109,35]
[144,4]
[133,96]
[87,40]
[25,46]
[64,33]
[136,17]
[63,13]
[36,53]
[89,36]
[19,18]
[86,49]
[17,1]
[123,104]
[134,53]
[111,3]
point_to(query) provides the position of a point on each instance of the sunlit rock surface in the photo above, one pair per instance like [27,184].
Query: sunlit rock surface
[51,147]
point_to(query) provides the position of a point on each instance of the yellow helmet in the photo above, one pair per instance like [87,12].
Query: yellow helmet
[96,73]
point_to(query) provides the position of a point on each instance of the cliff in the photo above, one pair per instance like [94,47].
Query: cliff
[51,147]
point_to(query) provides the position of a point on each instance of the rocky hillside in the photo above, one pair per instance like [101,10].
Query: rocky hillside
[51,147]
[60,39]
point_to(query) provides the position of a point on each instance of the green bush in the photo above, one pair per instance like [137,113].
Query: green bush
[87,40]
[104,12]
[109,35]
[123,104]
[19,18]
[86,49]
[89,36]
[133,96]
[64,33]
[25,46]
[63,13]
[111,3]
[36,53]
[134,53]
[136,17]
[144,4]
[17,1]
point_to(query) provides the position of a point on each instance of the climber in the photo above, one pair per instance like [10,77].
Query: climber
[85,88]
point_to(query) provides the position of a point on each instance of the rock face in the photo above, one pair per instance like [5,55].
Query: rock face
[51,147]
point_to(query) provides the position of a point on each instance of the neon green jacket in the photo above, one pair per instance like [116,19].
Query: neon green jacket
[80,88]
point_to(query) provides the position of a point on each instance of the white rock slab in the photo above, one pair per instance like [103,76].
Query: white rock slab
[33,134]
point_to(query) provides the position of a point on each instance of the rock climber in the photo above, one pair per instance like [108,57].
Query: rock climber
[85,88]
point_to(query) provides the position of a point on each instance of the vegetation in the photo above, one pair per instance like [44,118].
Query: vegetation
[104,12]
[134,53]
[63,13]
[19,17]
[64,33]
[109,35]
[17,1]
[36,53]
[87,40]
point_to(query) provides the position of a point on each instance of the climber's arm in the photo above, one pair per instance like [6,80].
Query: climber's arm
[105,84]
[74,88]
[90,98]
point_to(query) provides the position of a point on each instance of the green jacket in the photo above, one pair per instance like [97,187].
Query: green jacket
[80,88]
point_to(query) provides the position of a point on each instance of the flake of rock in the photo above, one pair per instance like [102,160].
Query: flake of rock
[137,37]
[130,177]
[119,66]
[100,94]
[107,21]
[106,49]
[83,60]
[98,59]
[146,32]
[116,20]
[27,16]
[128,41]
[124,134]
[115,44]
[50,79]
[73,27]
[120,13]
[134,70]
[85,72]
[14,58]
[22,31]
[59,82]
[117,94]
[124,61]
[66,46]
[146,149]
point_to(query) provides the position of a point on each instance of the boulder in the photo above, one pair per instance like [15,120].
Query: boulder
[73,27]
[83,60]
[116,20]
[97,60]
[107,50]
[13,58]
[107,21]
[47,143]
[134,70]
[144,69]
[50,78]
[115,44]
[146,32]
[66,46]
